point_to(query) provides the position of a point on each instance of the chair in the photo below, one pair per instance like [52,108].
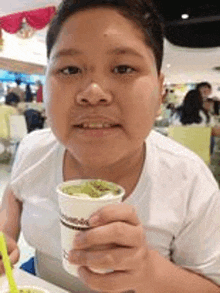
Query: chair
[5,140]
[34,120]
[197,139]
[18,128]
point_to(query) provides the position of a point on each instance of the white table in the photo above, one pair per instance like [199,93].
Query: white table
[22,278]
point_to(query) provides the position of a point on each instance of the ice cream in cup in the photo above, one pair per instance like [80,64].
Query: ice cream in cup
[78,200]
[29,289]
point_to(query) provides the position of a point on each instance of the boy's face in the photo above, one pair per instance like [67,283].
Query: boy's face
[101,71]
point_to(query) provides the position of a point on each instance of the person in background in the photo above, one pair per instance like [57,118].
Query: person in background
[205,89]
[18,91]
[216,106]
[6,110]
[208,105]
[34,119]
[192,112]
[172,98]
[39,97]
[2,91]
[28,93]
[12,99]
[103,92]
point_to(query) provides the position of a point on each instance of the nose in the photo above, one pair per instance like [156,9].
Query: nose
[93,95]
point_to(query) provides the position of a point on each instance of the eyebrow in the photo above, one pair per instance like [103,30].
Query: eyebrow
[125,51]
[66,52]
[115,51]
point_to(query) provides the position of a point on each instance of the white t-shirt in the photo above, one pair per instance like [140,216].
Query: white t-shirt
[177,199]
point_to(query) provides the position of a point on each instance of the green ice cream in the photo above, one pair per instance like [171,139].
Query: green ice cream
[95,188]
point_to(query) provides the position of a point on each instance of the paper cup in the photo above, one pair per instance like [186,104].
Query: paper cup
[75,212]
[28,289]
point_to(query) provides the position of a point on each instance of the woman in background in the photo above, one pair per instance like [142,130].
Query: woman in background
[29,95]
[192,112]
[39,92]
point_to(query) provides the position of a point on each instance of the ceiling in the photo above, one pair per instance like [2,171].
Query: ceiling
[183,63]
[190,23]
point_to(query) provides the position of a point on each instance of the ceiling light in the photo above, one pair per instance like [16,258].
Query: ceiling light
[185,16]
[168,65]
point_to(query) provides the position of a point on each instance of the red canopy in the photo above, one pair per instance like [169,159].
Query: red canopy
[37,19]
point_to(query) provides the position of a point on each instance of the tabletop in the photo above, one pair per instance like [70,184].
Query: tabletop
[23,278]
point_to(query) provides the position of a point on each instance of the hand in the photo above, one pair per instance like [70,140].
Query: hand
[13,252]
[116,242]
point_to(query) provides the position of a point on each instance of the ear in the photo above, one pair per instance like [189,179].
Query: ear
[161,92]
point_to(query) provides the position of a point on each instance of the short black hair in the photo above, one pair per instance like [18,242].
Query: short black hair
[18,81]
[202,84]
[141,12]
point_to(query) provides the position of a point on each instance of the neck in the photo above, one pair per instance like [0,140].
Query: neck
[125,172]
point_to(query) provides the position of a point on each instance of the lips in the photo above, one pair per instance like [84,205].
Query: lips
[96,123]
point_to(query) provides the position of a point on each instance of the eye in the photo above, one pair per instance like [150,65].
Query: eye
[70,70]
[122,69]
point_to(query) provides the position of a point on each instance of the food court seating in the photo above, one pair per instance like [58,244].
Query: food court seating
[197,139]
[15,128]
[18,128]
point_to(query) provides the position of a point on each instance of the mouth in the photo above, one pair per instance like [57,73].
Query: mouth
[97,125]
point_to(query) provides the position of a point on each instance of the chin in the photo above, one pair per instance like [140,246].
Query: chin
[98,157]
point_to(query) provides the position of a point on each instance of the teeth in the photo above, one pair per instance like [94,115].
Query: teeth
[96,125]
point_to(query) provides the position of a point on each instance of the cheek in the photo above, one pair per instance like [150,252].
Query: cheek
[57,105]
[143,103]
[57,98]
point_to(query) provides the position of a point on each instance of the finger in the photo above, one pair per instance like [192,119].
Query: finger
[2,268]
[118,259]
[14,256]
[114,213]
[118,233]
[111,282]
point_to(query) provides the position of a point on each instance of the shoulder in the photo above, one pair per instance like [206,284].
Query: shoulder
[33,149]
[166,147]
[181,174]
[38,139]
[174,157]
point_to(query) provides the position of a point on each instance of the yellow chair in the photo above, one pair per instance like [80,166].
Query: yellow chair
[13,128]
[197,139]
[5,113]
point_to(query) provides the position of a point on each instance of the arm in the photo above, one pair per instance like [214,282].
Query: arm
[10,214]
[216,131]
[171,278]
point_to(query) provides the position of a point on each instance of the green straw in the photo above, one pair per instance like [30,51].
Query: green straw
[7,264]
